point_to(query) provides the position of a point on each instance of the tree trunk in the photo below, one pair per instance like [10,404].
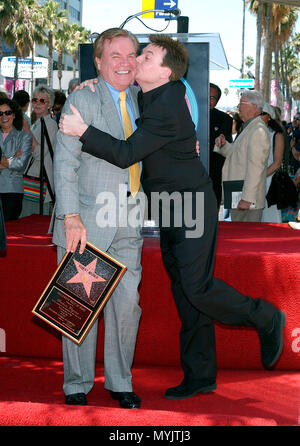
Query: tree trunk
[277,75]
[282,74]
[15,74]
[59,66]
[288,95]
[50,59]
[266,76]
[243,41]
[74,59]
[258,46]
[32,76]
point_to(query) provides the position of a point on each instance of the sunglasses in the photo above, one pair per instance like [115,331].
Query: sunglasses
[41,100]
[6,113]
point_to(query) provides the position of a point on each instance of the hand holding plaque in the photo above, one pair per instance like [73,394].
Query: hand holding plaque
[78,291]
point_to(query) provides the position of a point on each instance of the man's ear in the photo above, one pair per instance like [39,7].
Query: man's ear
[165,72]
[97,62]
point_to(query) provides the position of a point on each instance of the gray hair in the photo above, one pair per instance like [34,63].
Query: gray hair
[254,97]
[49,92]
[73,84]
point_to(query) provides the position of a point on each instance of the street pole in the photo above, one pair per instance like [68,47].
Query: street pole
[243,40]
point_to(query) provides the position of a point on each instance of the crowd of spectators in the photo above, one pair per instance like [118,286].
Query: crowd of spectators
[47,104]
[284,155]
[20,128]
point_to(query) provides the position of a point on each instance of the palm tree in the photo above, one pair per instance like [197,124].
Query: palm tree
[296,43]
[249,61]
[267,62]
[258,45]
[292,69]
[60,43]
[277,22]
[53,18]
[78,35]
[7,10]
[24,30]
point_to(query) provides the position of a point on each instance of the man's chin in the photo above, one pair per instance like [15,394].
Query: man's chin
[124,80]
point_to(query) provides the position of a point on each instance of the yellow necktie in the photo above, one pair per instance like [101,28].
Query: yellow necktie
[134,177]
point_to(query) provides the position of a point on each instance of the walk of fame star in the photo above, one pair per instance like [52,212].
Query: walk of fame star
[86,275]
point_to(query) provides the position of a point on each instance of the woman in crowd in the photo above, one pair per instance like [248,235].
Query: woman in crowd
[42,103]
[237,124]
[16,150]
[23,99]
[272,213]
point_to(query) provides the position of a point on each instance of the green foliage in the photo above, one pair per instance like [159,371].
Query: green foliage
[25,22]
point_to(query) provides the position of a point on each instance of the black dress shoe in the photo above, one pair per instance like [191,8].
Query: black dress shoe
[127,400]
[76,399]
[271,342]
[190,388]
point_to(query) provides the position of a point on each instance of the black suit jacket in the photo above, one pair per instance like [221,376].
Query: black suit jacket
[165,140]
[220,123]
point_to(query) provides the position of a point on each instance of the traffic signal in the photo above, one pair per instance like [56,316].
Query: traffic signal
[182,24]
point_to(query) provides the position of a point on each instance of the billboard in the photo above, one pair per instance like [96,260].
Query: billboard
[40,68]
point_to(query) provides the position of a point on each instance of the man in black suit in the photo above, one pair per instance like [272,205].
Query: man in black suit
[165,139]
[219,123]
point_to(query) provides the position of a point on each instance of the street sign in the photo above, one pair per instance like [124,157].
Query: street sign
[158,4]
[24,67]
[241,83]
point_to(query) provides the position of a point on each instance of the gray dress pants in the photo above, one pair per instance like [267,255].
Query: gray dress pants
[121,318]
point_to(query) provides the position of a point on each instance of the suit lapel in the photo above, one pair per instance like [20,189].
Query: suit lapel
[110,113]
[239,140]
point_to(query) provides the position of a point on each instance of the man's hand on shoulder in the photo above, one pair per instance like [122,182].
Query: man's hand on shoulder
[88,83]
[72,124]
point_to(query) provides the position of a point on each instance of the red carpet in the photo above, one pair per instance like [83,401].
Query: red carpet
[31,395]
[258,259]
[261,260]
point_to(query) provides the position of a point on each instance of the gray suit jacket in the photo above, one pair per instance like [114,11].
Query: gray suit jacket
[79,178]
[11,179]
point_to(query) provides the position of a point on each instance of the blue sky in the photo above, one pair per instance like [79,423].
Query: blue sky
[205,16]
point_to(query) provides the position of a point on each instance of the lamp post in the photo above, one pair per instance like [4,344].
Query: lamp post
[243,40]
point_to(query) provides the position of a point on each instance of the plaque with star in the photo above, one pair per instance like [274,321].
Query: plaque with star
[78,291]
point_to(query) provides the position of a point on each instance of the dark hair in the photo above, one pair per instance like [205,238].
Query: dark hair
[176,57]
[15,108]
[216,88]
[21,97]
[238,122]
[275,125]
[59,97]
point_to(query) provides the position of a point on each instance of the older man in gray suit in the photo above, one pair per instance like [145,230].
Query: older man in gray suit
[247,157]
[79,179]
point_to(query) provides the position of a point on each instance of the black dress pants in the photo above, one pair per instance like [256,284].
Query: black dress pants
[201,298]
[11,205]
[2,232]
